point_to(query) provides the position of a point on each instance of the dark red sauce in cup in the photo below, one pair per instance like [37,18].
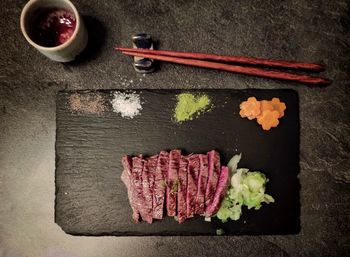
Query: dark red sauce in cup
[53,27]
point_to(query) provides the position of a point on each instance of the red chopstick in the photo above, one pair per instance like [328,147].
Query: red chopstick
[236,69]
[235,59]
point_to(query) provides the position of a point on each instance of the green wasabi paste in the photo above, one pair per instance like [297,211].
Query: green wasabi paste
[189,105]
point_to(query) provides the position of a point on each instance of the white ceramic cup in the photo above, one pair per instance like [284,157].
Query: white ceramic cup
[67,51]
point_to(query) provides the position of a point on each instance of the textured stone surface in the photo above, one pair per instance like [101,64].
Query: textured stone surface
[302,30]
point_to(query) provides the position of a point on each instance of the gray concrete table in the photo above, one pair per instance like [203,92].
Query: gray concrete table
[315,31]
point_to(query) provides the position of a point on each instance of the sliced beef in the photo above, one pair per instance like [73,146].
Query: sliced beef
[214,173]
[148,177]
[219,193]
[182,190]
[160,185]
[152,165]
[202,184]
[147,208]
[192,181]
[191,185]
[126,178]
[136,183]
[172,182]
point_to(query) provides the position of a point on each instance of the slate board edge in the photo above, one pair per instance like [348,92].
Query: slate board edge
[133,234]
[176,90]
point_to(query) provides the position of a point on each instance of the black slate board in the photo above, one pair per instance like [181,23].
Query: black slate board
[92,200]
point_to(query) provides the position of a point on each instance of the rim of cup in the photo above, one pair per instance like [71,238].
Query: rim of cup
[24,13]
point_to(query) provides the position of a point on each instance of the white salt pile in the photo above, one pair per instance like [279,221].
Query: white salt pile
[127,104]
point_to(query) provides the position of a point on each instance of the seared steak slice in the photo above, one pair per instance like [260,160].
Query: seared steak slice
[192,181]
[172,181]
[220,192]
[202,184]
[152,165]
[160,185]
[147,208]
[214,173]
[126,178]
[182,190]
[136,183]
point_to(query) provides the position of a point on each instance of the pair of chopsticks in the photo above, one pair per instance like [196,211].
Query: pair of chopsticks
[220,62]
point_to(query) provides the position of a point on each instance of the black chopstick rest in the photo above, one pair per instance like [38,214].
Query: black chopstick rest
[144,41]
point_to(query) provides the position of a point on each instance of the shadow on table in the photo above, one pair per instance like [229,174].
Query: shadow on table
[97,36]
